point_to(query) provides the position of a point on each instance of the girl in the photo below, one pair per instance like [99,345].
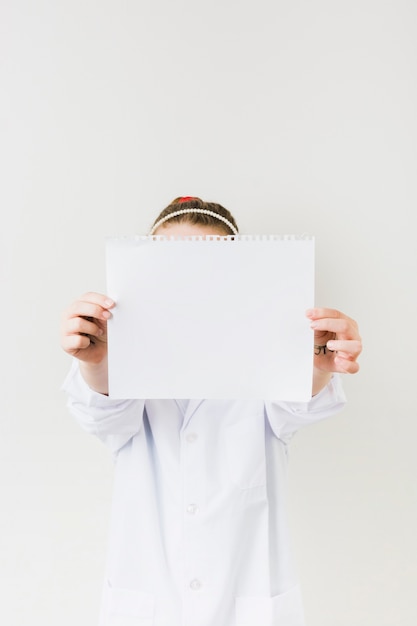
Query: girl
[198,532]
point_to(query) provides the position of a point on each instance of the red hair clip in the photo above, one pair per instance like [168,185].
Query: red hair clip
[185,199]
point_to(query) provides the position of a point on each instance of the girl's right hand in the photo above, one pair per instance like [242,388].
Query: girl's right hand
[84,328]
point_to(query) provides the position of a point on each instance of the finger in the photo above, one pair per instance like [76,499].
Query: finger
[348,348]
[98,298]
[102,301]
[86,309]
[72,343]
[80,325]
[320,312]
[344,326]
[345,366]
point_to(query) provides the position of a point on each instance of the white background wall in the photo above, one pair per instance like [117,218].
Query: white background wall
[299,117]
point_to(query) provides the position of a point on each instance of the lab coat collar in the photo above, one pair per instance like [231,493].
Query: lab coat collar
[191,409]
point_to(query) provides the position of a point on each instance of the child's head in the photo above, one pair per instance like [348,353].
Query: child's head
[192,216]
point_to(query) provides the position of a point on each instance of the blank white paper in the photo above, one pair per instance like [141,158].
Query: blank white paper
[213,318]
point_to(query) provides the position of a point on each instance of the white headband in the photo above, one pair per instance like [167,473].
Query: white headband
[194,210]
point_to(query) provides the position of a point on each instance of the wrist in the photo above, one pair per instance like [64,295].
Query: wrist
[96,375]
[321,378]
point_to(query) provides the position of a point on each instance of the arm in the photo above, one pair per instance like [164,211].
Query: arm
[113,421]
[84,336]
[337,345]
[286,418]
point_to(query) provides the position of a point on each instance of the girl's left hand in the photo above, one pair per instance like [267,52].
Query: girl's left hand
[337,343]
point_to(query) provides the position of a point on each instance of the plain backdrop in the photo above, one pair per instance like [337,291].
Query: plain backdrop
[299,116]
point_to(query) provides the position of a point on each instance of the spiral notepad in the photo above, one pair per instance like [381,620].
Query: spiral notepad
[210,318]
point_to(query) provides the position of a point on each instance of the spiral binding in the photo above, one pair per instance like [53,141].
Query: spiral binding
[137,239]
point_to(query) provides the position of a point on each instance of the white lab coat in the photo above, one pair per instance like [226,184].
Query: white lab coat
[198,533]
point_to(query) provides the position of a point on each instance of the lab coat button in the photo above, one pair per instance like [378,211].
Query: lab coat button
[192,509]
[195,584]
[191,437]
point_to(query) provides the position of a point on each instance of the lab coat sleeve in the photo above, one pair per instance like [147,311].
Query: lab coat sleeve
[112,421]
[286,418]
